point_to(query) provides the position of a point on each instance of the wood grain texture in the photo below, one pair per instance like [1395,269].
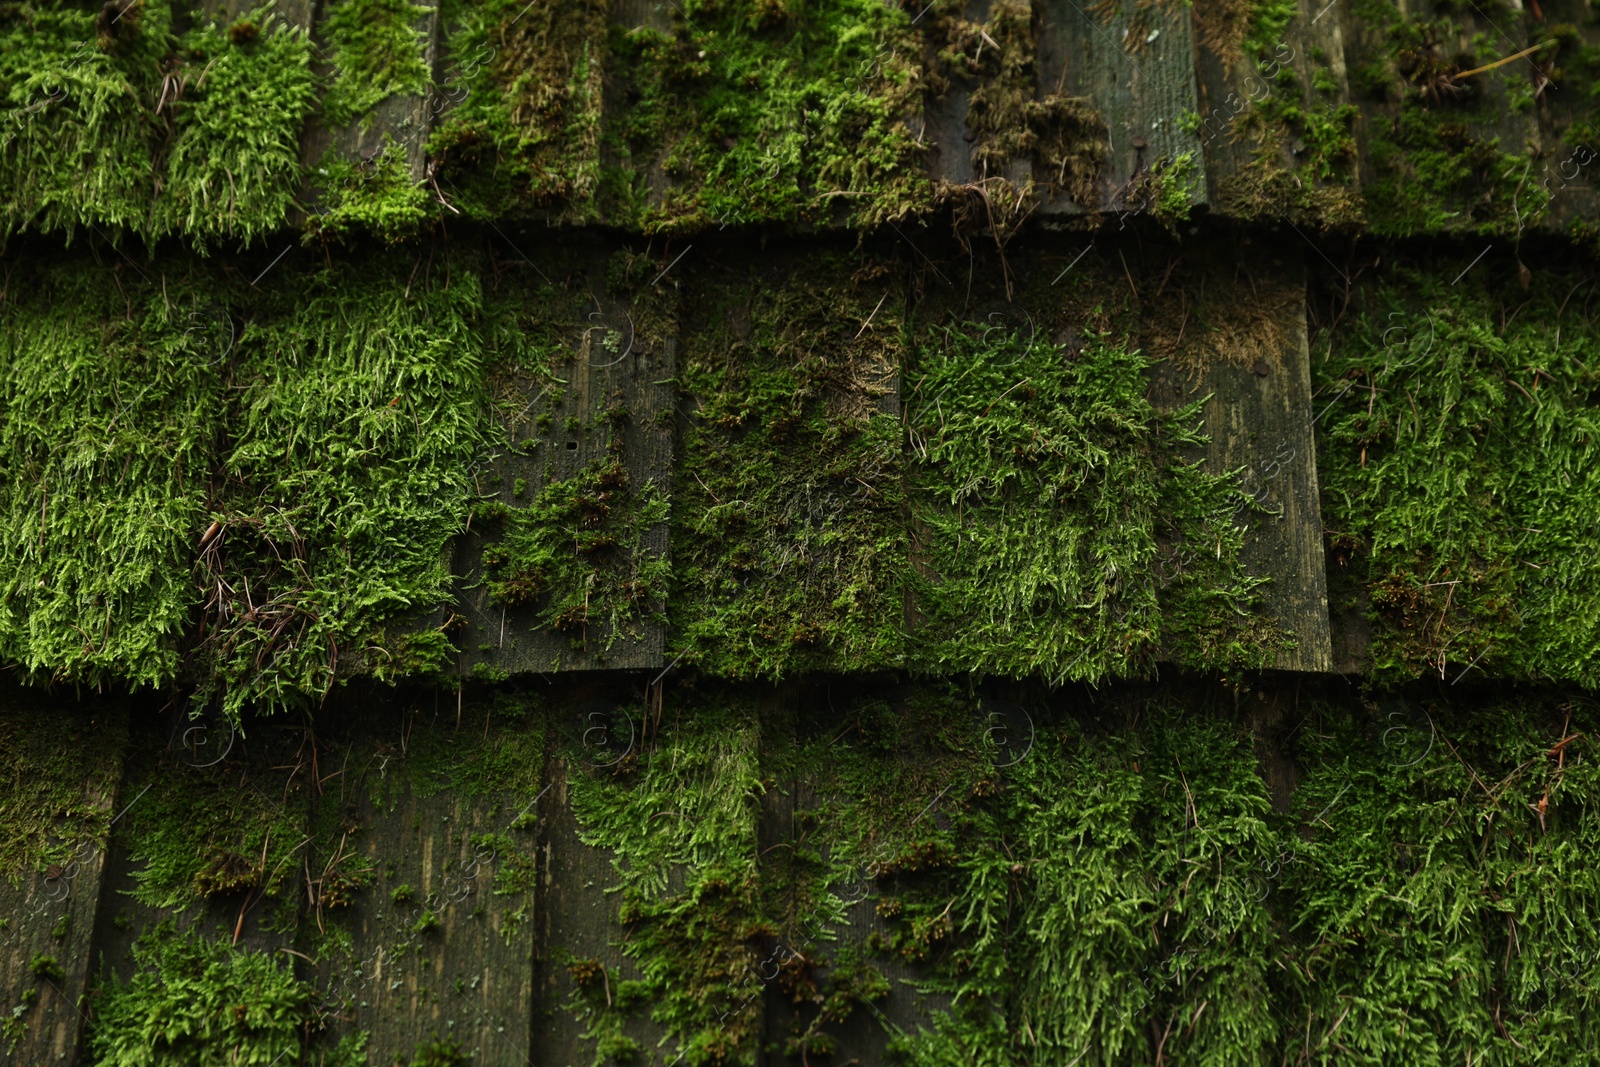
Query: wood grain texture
[450,960]
[613,358]
[1138,70]
[1257,414]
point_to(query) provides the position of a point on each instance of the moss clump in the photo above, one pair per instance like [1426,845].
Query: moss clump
[358,409]
[1475,899]
[194,1002]
[196,834]
[46,968]
[233,168]
[1458,461]
[1434,176]
[368,197]
[1058,529]
[108,416]
[1434,169]
[683,817]
[729,113]
[115,122]
[1043,894]
[787,531]
[527,89]
[1009,118]
[78,139]
[377,50]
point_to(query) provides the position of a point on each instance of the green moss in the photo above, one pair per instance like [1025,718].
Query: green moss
[788,540]
[440,1054]
[1434,176]
[1058,529]
[196,834]
[501,759]
[578,552]
[78,142]
[61,770]
[732,113]
[194,1002]
[1475,900]
[358,410]
[683,816]
[1457,459]
[46,968]
[526,83]
[233,169]
[369,197]
[111,399]
[114,122]
[377,51]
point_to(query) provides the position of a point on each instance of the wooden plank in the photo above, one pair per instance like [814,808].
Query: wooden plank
[1138,69]
[440,938]
[48,902]
[577,922]
[1257,378]
[610,398]
[1245,151]
[404,117]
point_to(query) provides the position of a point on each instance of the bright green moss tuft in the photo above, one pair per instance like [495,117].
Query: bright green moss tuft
[358,411]
[194,1002]
[373,197]
[79,133]
[1459,460]
[234,165]
[377,50]
[118,125]
[111,398]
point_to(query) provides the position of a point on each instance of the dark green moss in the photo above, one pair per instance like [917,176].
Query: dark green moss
[61,771]
[788,538]
[358,409]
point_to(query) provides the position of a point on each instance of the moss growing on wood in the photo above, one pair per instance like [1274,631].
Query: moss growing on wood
[112,382]
[371,197]
[77,146]
[61,772]
[358,411]
[526,85]
[194,1002]
[681,820]
[788,540]
[204,832]
[233,168]
[1058,530]
[114,122]
[1009,118]
[578,553]
[750,112]
[1439,897]
[1458,460]
[377,50]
